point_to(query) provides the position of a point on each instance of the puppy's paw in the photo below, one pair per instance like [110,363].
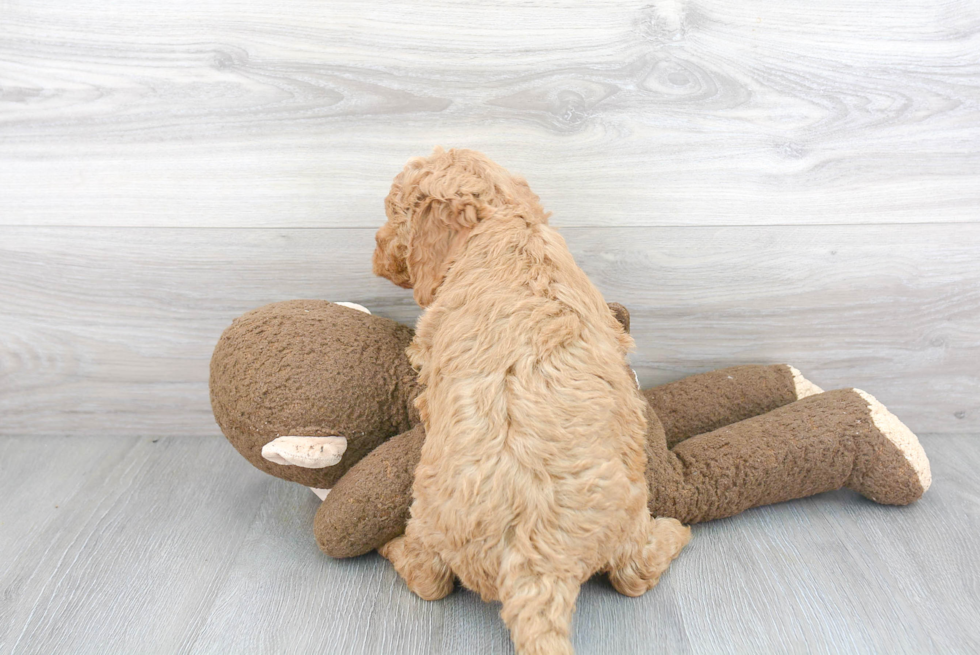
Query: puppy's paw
[393,550]
[426,575]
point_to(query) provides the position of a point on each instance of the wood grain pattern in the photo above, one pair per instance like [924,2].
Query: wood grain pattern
[641,113]
[177,545]
[136,547]
[109,331]
[757,181]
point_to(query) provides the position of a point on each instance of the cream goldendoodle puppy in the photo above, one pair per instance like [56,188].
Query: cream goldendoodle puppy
[532,473]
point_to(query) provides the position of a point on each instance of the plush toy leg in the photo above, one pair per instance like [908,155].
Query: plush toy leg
[837,439]
[707,401]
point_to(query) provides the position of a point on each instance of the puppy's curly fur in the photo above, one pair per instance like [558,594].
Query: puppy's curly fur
[532,472]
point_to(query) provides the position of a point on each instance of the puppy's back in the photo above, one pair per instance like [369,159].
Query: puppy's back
[534,448]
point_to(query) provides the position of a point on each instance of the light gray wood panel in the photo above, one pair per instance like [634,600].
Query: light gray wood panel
[179,546]
[109,331]
[38,478]
[143,536]
[620,113]
[891,311]
[305,602]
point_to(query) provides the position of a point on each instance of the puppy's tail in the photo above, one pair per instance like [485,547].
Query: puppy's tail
[538,610]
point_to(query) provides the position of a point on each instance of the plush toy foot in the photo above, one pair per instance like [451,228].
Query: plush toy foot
[308,452]
[890,466]
[803,387]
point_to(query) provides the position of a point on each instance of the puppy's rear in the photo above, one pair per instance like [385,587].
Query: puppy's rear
[532,474]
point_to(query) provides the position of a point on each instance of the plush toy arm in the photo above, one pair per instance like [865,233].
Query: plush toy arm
[368,506]
[828,441]
[707,401]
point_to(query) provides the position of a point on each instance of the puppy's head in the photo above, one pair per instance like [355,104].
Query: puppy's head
[433,206]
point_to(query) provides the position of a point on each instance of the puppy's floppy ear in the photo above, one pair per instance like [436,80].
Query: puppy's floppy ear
[440,227]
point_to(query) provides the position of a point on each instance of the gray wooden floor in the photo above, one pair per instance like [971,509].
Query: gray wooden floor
[176,545]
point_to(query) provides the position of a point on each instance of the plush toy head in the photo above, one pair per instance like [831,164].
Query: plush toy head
[311,368]
[433,205]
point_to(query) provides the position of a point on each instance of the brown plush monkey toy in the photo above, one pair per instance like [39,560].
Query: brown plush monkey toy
[322,394]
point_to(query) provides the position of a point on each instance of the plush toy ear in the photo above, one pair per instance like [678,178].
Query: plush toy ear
[622,315]
[439,229]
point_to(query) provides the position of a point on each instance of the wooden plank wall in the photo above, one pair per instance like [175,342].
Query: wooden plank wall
[757,181]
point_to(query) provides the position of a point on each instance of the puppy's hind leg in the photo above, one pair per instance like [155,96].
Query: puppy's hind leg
[638,567]
[425,573]
[538,610]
